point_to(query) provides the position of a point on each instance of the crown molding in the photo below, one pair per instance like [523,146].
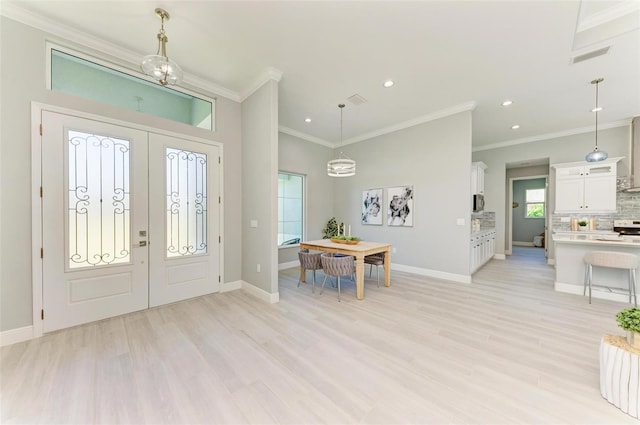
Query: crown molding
[468,106]
[128,57]
[304,136]
[607,15]
[540,137]
[266,76]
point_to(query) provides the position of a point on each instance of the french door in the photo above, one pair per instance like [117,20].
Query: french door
[128,219]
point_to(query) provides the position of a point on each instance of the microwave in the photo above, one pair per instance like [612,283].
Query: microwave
[478,203]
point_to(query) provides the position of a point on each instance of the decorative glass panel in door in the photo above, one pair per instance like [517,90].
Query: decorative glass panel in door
[98,219]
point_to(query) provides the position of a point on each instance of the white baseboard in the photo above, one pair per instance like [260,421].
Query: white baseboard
[516,243]
[499,257]
[460,278]
[261,293]
[231,286]
[551,261]
[595,292]
[289,265]
[14,336]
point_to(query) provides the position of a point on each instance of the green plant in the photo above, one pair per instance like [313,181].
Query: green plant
[352,238]
[629,319]
[331,230]
[582,223]
[340,237]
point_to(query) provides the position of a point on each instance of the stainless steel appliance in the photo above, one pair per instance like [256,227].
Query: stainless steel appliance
[627,227]
[478,203]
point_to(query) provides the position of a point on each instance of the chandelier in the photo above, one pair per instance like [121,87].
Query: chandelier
[342,166]
[596,155]
[159,66]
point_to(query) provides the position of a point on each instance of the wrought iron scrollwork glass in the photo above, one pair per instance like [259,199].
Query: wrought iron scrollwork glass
[186,202]
[98,200]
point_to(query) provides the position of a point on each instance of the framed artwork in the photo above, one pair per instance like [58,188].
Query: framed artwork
[400,210]
[372,207]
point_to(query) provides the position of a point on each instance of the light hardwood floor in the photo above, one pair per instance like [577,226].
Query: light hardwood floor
[505,349]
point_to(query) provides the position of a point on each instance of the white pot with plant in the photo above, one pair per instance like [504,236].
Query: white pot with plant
[629,320]
[582,224]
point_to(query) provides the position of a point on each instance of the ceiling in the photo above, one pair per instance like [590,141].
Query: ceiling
[444,56]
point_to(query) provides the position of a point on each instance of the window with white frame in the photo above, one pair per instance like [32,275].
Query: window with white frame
[534,199]
[291,194]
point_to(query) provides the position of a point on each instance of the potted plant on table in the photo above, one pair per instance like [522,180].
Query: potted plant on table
[629,320]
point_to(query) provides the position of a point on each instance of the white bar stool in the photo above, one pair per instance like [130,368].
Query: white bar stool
[614,260]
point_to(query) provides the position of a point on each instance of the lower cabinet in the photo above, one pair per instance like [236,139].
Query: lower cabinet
[483,247]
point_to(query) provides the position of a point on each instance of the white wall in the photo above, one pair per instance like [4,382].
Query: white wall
[260,188]
[616,141]
[22,79]
[434,157]
[302,157]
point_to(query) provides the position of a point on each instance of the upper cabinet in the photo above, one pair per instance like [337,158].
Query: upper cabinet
[477,177]
[586,187]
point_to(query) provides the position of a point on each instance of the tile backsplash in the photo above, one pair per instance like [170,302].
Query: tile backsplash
[628,206]
[487,219]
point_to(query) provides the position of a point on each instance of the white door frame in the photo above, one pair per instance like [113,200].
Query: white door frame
[509,215]
[36,184]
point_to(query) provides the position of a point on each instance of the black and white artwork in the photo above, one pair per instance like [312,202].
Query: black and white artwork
[400,211]
[372,206]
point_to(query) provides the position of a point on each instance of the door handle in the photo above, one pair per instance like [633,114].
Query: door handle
[140,244]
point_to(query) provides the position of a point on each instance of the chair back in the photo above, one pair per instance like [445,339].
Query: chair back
[375,259]
[338,266]
[309,260]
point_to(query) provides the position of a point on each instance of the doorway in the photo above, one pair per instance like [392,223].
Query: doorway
[130,219]
[527,215]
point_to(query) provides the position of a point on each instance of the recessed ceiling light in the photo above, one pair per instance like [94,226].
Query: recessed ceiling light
[515,126]
[507,102]
[307,120]
[598,109]
[388,83]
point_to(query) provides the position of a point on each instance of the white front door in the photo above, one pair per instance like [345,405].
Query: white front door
[119,206]
[184,194]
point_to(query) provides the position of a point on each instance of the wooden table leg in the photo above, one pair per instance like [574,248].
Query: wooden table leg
[387,267]
[303,274]
[360,277]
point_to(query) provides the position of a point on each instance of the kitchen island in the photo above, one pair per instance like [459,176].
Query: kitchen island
[570,249]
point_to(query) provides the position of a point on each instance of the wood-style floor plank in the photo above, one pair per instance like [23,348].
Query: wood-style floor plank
[504,349]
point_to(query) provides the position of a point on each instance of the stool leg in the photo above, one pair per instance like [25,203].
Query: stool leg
[586,279]
[590,278]
[632,282]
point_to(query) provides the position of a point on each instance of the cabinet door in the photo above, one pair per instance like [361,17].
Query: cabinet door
[481,180]
[600,193]
[570,194]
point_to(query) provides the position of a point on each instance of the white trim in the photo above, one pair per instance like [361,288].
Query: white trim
[53,27]
[459,278]
[551,261]
[230,286]
[595,292]
[499,256]
[266,76]
[288,265]
[260,293]
[607,15]
[555,135]
[517,243]
[307,137]
[13,336]
[468,106]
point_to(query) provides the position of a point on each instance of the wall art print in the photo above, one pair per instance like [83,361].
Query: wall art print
[372,207]
[400,211]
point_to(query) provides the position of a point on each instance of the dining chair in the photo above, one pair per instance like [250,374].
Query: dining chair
[309,261]
[375,260]
[338,267]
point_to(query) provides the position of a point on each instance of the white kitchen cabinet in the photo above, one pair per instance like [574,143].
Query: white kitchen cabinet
[477,177]
[483,247]
[586,187]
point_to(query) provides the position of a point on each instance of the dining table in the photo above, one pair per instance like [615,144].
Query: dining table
[359,251]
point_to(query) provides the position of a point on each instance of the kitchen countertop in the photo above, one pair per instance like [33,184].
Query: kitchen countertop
[483,230]
[597,239]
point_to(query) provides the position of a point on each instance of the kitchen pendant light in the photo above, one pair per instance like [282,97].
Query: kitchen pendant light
[159,66]
[596,155]
[342,166]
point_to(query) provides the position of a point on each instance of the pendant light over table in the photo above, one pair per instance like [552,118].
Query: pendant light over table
[596,155]
[342,166]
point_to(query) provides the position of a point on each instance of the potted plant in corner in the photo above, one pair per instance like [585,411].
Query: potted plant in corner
[629,320]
